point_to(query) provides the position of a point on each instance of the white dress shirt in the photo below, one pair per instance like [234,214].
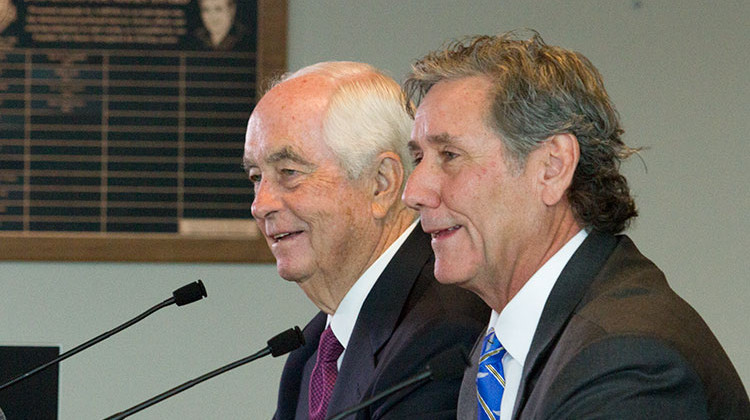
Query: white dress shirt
[516,324]
[343,320]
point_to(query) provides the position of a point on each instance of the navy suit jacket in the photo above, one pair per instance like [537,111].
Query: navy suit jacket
[406,319]
[614,341]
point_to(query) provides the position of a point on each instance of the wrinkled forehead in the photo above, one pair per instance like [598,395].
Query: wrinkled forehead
[290,116]
[452,107]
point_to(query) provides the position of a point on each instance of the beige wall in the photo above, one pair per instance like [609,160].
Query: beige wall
[676,70]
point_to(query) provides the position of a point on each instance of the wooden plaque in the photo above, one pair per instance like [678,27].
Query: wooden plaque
[121,129]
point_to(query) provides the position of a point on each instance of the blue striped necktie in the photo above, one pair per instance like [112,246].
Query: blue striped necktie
[490,378]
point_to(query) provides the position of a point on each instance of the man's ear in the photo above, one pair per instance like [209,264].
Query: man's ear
[389,175]
[561,155]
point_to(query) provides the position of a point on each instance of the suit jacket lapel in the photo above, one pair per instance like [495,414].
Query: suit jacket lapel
[378,319]
[467,396]
[293,387]
[568,291]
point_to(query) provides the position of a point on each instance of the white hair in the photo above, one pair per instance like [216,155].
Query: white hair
[368,114]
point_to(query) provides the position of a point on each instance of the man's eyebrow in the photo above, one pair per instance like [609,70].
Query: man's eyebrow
[287,153]
[442,138]
[247,164]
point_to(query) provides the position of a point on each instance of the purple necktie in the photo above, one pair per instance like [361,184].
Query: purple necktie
[324,374]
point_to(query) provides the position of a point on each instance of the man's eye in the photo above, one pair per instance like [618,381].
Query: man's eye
[255,178]
[416,159]
[448,155]
[288,172]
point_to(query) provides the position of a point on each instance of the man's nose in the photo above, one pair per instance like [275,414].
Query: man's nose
[422,188]
[266,200]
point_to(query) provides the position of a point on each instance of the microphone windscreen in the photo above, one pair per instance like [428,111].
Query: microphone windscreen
[449,364]
[189,293]
[285,342]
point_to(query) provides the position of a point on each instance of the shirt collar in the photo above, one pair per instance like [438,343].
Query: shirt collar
[343,320]
[516,323]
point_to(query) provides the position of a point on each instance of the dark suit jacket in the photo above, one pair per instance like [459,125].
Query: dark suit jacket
[614,341]
[407,318]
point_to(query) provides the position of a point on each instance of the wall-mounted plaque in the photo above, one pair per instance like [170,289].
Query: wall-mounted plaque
[122,127]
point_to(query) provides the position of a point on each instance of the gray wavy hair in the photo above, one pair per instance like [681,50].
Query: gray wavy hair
[539,91]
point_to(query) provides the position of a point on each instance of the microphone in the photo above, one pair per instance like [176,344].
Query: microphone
[279,345]
[449,364]
[182,296]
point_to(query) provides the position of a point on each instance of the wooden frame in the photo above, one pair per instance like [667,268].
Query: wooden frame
[152,247]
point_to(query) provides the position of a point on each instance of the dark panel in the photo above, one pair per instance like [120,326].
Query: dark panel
[34,397]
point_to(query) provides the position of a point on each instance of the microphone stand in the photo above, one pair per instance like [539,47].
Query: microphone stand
[380,395]
[449,364]
[87,344]
[182,296]
[278,345]
[189,384]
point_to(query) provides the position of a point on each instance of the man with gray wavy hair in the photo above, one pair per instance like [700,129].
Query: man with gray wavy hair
[518,148]
[326,153]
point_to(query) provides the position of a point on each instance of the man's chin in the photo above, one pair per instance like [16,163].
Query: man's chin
[449,275]
[451,279]
[291,274]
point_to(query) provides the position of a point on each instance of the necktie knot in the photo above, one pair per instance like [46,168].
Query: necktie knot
[329,348]
[491,348]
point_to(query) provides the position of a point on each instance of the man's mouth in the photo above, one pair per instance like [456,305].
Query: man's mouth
[285,235]
[438,233]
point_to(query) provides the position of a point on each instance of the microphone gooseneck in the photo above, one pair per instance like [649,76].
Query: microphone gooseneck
[182,296]
[449,364]
[279,345]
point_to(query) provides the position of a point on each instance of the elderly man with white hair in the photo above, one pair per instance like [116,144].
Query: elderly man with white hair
[326,151]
